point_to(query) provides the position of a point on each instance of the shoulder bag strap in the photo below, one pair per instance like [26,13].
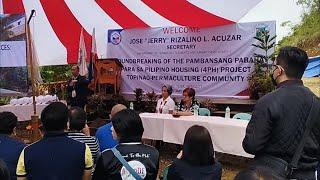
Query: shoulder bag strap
[125,164]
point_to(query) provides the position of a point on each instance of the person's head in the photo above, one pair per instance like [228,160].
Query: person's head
[54,117]
[291,63]
[127,126]
[166,91]
[75,70]
[8,122]
[4,171]
[197,147]
[116,108]
[77,119]
[257,173]
[188,94]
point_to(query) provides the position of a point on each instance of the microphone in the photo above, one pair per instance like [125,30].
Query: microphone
[31,15]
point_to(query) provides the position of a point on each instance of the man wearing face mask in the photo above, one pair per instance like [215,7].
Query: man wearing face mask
[279,120]
[77,89]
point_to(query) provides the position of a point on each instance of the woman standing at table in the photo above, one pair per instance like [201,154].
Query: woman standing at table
[188,103]
[165,105]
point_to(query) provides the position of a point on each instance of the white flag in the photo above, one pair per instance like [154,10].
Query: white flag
[82,58]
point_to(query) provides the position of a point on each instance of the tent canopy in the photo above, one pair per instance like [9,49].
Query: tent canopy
[57,25]
[313,68]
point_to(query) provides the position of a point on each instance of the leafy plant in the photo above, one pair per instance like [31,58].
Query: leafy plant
[151,101]
[260,81]
[209,104]
[139,105]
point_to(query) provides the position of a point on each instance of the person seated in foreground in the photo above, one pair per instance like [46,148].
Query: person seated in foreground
[188,103]
[77,127]
[257,173]
[128,129]
[10,148]
[55,156]
[196,161]
[4,171]
[104,133]
[165,105]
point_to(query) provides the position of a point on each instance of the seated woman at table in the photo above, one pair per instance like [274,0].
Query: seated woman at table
[187,104]
[165,105]
[196,160]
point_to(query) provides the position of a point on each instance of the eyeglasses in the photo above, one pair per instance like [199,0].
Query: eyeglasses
[274,67]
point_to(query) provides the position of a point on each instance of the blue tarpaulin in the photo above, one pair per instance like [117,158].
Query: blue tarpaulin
[313,69]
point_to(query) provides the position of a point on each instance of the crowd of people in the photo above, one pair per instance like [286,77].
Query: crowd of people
[283,135]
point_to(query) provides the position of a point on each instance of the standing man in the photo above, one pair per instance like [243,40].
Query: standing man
[279,119]
[77,89]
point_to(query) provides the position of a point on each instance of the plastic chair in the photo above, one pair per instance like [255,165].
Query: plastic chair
[165,172]
[204,112]
[242,116]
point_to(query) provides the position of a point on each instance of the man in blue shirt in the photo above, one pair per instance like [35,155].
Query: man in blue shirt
[10,148]
[104,134]
[55,156]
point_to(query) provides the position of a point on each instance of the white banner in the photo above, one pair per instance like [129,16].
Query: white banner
[215,61]
[12,53]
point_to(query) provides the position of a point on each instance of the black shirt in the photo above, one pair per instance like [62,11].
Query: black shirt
[142,158]
[278,122]
[81,89]
[180,170]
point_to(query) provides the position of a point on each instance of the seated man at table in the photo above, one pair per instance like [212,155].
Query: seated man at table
[55,156]
[188,103]
[10,148]
[104,133]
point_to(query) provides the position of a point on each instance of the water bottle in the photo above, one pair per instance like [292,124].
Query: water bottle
[227,115]
[196,110]
[131,106]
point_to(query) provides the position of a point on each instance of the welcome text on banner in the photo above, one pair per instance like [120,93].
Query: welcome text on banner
[215,61]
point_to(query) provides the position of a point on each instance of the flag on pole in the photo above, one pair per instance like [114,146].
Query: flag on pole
[33,62]
[82,63]
[93,57]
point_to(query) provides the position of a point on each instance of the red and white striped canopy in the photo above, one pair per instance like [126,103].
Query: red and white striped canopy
[57,25]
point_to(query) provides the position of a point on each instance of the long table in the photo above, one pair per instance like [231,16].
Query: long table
[226,134]
[23,112]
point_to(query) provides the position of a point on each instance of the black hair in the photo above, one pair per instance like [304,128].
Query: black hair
[293,60]
[77,118]
[8,121]
[197,147]
[4,171]
[257,173]
[54,117]
[128,126]
[169,89]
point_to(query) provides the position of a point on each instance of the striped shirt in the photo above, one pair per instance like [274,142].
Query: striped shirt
[89,141]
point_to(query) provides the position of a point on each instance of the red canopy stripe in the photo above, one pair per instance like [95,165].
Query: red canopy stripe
[185,13]
[66,27]
[12,6]
[121,14]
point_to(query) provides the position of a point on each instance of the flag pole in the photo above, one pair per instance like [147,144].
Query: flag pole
[34,117]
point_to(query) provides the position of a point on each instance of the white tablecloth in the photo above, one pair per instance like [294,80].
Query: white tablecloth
[226,134]
[23,112]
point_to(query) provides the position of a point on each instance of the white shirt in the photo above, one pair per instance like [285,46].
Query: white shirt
[164,106]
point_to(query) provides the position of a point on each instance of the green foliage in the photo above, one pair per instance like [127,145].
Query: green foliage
[260,81]
[306,35]
[55,73]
